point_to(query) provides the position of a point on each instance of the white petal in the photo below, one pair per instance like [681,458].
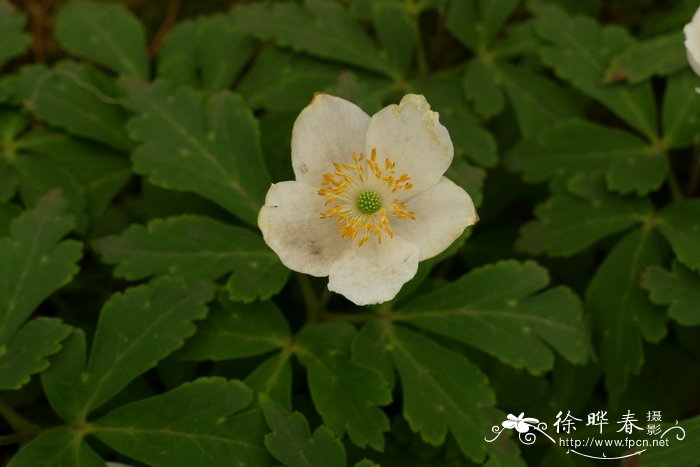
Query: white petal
[510,424]
[522,427]
[328,130]
[442,214]
[692,41]
[291,225]
[411,135]
[374,273]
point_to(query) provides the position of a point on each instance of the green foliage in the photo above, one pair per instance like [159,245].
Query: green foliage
[137,144]
[14,41]
[106,34]
[190,143]
[35,263]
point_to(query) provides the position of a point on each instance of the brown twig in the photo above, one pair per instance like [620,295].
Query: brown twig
[167,24]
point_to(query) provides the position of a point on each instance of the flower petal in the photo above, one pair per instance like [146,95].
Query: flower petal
[522,427]
[328,130]
[374,273]
[442,214]
[692,41]
[411,135]
[509,424]
[291,225]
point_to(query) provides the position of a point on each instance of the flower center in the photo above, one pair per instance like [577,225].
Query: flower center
[369,202]
[363,197]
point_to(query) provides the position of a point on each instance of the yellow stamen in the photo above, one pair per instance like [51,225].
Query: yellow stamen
[353,192]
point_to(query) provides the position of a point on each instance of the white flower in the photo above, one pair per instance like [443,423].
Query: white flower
[369,201]
[522,425]
[692,41]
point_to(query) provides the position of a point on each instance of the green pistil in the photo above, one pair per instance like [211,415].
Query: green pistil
[368,202]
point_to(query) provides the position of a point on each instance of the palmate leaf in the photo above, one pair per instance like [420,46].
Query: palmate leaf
[98,172]
[569,223]
[292,443]
[108,34]
[442,390]
[563,150]
[346,395]
[34,262]
[200,248]
[77,98]
[57,447]
[661,55]
[324,29]
[579,50]
[233,330]
[136,329]
[209,146]
[681,111]
[204,423]
[678,288]
[13,41]
[469,137]
[207,53]
[396,30]
[476,23]
[495,309]
[538,101]
[26,352]
[481,86]
[280,80]
[621,309]
[680,224]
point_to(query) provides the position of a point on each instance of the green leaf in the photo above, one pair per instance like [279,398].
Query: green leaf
[13,40]
[476,24]
[346,395]
[681,111]
[680,224]
[495,309]
[539,102]
[292,443]
[209,146]
[442,391]
[207,52]
[233,330]
[482,88]
[99,172]
[35,263]
[469,177]
[678,288]
[38,174]
[8,212]
[108,34]
[580,49]
[136,329]
[682,451]
[621,309]
[320,28]
[567,224]
[197,247]
[57,447]
[274,378]
[203,423]
[76,98]
[280,80]
[27,351]
[571,147]
[661,55]
[446,97]
[396,30]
